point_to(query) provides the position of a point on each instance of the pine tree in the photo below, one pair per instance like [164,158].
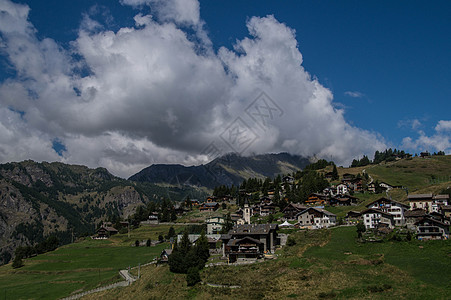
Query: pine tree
[335,173]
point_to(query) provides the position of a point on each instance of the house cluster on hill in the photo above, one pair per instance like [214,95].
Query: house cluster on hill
[428,215]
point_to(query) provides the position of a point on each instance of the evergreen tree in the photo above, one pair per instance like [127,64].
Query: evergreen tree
[335,173]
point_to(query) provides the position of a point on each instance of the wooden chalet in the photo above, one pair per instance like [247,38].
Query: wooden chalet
[249,241]
[431,229]
[292,209]
[105,232]
[316,199]
[343,200]
[209,206]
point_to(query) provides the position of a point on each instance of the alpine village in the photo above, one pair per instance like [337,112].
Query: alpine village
[270,226]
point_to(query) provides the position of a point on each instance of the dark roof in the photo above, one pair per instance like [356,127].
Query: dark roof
[210,204]
[415,213]
[247,229]
[296,206]
[441,197]
[328,213]
[108,228]
[435,221]
[419,196]
[388,200]
[236,241]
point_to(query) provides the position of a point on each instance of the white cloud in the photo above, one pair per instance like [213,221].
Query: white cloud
[413,124]
[354,94]
[439,141]
[443,125]
[155,94]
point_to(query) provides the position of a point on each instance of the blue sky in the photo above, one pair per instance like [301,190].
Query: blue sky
[365,75]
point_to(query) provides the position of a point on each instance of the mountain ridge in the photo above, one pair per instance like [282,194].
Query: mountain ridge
[225,170]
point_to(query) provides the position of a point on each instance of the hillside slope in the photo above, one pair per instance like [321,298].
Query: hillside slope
[39,199]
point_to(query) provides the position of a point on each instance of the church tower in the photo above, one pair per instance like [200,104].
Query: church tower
[247,213]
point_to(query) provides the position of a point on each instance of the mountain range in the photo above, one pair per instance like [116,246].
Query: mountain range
[225,170]
[42,199]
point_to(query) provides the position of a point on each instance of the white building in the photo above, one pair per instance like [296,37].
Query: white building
[315,218]
[392,207]
[373,218]
[342,189]
[214,225]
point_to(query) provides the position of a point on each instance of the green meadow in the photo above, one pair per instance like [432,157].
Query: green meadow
[79,266]
[323,264]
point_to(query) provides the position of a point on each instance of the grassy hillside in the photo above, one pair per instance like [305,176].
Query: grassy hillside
[324,264]
[80,266]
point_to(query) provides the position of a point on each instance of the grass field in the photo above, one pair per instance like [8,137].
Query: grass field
[416,173]
[324,264]
[78,267]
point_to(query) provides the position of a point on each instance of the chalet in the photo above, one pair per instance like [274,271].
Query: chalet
[348,177]
[164,256]
[194,202]
[392,207]
[329,175]
[428,202]
[385,186]
[356,184]
[352,217]
[425,154]
[153,218]
[445,210]
[288,179]
[214,225]
[316,199]
[431,229]
[371,187]
[376,218]
[413,216]
[352,214]
[314,218]
[439,200]
[105,232]
[266,209]
[249,241]
[342,189]
[343,200]
[244,249]
[290,211]
[209,206]
[212,199]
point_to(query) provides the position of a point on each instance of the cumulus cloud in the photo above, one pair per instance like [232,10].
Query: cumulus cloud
[438,141]
[158,93]
[443,125]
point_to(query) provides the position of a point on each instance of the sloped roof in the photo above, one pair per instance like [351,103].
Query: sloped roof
[321,210]
[247,229]
[388,200]
[419,196]
[415,213]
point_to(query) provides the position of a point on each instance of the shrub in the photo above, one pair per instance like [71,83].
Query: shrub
[291,241]
[136,243]
[148,243]
[192,276]
[17,263]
